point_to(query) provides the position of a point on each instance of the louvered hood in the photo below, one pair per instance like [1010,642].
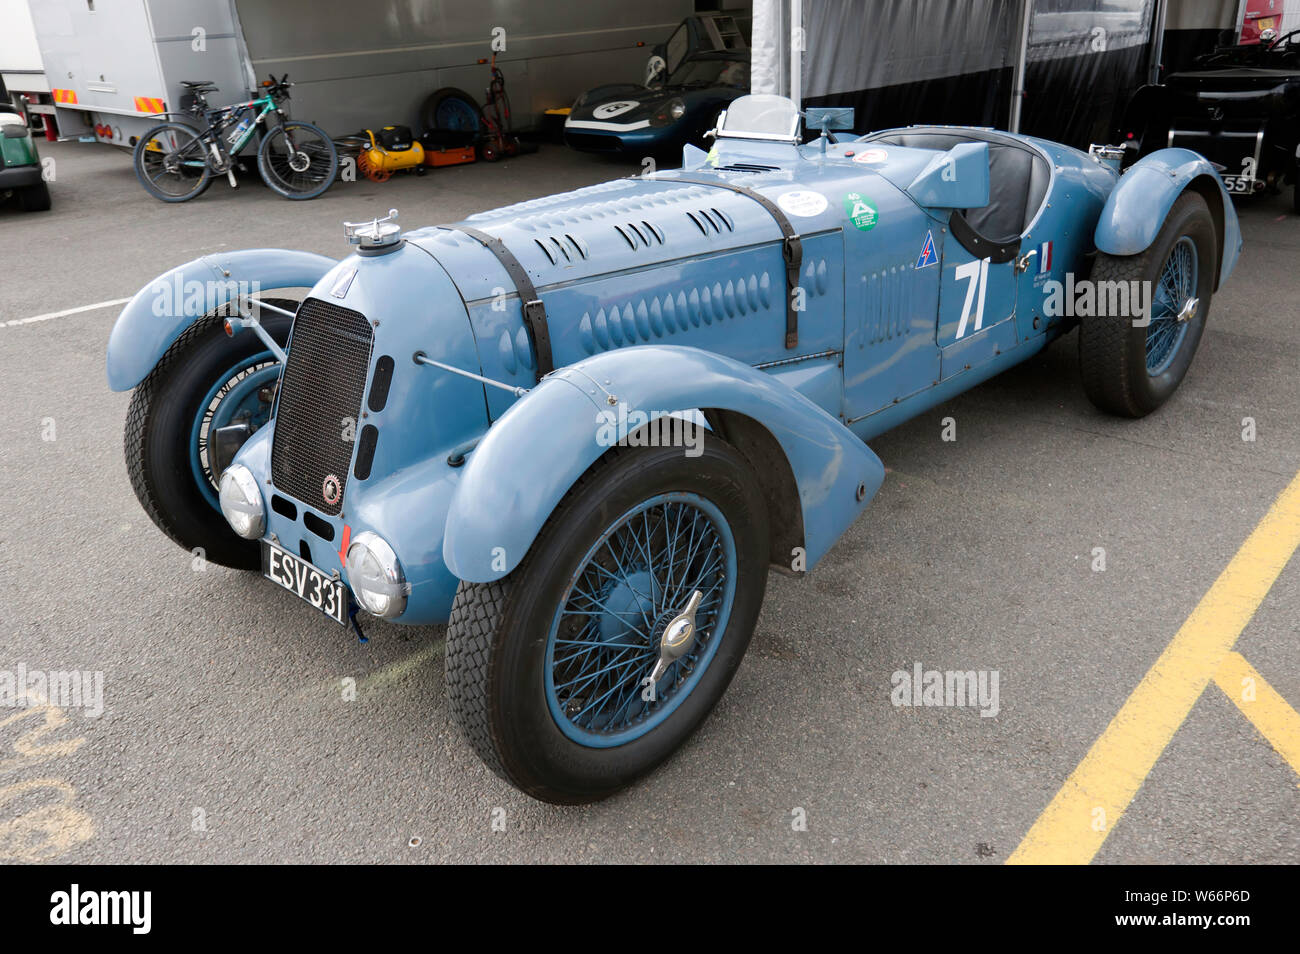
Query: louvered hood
[623,224]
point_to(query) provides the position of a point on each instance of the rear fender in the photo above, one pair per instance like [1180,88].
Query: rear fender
[1139,205]
[173,301]
[548,439]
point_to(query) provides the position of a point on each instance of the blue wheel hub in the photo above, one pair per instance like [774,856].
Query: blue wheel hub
[605,639]
[1173,292]
[632,598]
[235,398]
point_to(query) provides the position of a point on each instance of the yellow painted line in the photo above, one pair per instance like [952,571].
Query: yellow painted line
[381,678]
[1259,702]
[399,670]
[1090,803]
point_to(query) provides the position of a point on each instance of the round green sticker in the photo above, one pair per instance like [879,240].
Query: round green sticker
[861,211]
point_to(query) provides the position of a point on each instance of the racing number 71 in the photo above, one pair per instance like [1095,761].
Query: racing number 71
[977,273]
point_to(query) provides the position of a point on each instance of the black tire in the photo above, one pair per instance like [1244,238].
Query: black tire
[497,635]
[148,172]
[35,198]
[429,111]
[275,163]
[1113,352]
[158,427]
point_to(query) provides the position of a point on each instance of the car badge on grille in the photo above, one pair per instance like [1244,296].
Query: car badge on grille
[331,489]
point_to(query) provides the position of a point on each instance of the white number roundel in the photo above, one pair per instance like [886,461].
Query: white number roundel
[610,110]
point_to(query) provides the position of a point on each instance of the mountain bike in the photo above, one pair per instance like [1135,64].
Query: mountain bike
[176,160]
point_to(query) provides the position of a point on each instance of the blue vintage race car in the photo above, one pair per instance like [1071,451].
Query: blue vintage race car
[581,429]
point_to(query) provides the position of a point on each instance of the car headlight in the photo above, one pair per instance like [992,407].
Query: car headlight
[241,502]
[670,112]
[376,577]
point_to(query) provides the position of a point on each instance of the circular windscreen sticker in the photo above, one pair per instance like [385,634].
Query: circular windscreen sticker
[861,211]
[872,156]
[805,204]
[610,110]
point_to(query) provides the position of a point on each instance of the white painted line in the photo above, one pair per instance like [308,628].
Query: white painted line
[65,313]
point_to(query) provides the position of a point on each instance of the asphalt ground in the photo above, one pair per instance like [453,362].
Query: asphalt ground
[226,735]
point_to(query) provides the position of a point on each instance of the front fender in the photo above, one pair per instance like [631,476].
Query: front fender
[164,308]
[539,448]
[1140,203]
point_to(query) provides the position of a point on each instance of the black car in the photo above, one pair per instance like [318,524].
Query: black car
[1238,106]
[689,80]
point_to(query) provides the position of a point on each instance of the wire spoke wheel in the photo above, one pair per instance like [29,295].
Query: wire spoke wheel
[596,656]
[298,160]
[1175,288]
[1131,367]
[207,380]
[171,162]
[239,397]
[605,639]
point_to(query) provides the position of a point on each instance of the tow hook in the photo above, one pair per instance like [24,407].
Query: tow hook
[356,627]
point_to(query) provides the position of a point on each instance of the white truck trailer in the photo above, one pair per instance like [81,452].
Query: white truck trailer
[21,71]
[113,65]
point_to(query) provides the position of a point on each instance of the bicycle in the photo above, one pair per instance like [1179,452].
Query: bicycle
[176,160]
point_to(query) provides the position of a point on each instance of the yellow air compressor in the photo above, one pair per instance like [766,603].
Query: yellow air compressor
[392,149]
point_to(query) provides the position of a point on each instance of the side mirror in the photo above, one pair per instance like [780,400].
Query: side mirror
[957,179]
[827,118]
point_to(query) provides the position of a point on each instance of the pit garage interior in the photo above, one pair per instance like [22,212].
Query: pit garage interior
[1124,579]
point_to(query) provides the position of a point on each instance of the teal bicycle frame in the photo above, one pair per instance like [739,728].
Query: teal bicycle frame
[268,106]
[212,136]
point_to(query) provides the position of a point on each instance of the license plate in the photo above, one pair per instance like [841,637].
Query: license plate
[1239,185]
[306,582]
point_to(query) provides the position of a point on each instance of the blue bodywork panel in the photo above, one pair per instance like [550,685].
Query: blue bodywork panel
[173,301]
[494,521]
[1137,209]
[956,179]
[668,295]
[427,414]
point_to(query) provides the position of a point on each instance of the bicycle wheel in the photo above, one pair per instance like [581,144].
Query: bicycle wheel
[297,160]
[171,163]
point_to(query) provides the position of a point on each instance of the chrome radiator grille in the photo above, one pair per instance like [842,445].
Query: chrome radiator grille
[319,404]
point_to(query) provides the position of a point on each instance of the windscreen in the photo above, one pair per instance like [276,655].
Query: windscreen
[762,115]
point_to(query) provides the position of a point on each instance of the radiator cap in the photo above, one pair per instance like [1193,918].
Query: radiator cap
[375,236]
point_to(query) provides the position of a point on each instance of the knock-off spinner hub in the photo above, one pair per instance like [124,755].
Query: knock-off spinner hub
[678,637]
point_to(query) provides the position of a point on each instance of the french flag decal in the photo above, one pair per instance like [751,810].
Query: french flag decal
[1045,258]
